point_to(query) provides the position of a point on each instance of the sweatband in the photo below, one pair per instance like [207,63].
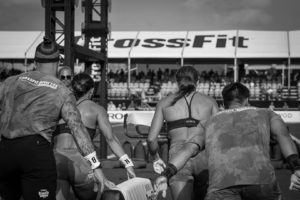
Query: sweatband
[92,158]
[169,171]
[126,161]
[294,162]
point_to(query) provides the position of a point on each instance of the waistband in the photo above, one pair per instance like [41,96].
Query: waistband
[22,137]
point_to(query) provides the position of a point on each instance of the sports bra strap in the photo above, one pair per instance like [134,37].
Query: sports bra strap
[190,105]
[64,128]
[79,102]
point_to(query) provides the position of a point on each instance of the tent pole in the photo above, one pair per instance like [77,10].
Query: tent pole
[182,51]
[129,62]
[128,74]
[289,61]
[289,72]
[236,70]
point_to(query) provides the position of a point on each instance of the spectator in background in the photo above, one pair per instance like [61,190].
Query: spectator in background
[65,75]
[111,106]
[285,105]
[272,106]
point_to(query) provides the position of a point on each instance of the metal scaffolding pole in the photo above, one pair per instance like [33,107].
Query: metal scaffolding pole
[62,31]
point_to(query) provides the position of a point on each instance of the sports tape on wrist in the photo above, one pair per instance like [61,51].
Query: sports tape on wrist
[126,161]
[169,171]
[93,160]
[294,162]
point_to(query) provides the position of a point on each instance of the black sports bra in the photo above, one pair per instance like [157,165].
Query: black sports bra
[186,122]
[64,128]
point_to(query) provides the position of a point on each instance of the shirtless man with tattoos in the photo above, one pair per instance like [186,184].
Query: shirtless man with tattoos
[31,105]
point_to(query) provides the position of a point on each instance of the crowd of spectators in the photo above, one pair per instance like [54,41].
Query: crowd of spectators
[265,85]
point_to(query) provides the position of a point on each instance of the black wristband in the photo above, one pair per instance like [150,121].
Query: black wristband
[169,171]
[293,161]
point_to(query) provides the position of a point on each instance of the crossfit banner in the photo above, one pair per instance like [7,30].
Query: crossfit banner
[263,44]
[172,44]
[158,45]
[212,44]
[198,44]
[119,44]
[294,38]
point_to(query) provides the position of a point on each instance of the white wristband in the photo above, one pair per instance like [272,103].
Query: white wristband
[92,158]
[127,162]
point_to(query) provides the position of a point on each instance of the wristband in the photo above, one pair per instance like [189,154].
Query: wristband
[294,162]
[169,171]
[126,161]
[93,160]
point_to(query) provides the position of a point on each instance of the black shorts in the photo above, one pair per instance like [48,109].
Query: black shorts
[27,169]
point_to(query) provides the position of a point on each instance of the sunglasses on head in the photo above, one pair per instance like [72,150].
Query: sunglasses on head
[63,77]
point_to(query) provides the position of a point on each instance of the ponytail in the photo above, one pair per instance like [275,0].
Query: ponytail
[186,77]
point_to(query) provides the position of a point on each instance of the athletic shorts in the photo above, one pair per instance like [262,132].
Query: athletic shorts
[74,169]
[194,169]
[27,169]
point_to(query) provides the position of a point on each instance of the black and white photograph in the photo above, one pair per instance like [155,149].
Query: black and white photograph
[149,100]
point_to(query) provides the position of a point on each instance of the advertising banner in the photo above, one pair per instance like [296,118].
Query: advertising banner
[263,44]
[172,44]
[140,117]
[294,38]
[119,44]
[211,44]
[158,45]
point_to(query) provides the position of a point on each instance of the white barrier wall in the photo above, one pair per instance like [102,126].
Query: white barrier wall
[145,117]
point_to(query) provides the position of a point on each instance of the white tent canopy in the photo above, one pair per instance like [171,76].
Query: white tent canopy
[210,44]
[294,42]
[181,44]
[263,44]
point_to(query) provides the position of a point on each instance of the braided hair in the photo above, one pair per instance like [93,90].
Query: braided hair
[81,84]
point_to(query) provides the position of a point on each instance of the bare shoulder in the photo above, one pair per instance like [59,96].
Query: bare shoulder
[205,99]
[97,108]
[166,101]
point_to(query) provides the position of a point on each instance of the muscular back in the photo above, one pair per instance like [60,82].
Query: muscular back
[202,108]
[89,112]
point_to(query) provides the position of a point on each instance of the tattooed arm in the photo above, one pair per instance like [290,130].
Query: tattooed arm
[1,91]
[71,116]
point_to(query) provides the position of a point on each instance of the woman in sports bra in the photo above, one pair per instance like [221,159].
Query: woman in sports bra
[185,114]
[72,170]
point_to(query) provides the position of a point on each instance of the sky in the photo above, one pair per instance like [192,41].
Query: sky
[168,15]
